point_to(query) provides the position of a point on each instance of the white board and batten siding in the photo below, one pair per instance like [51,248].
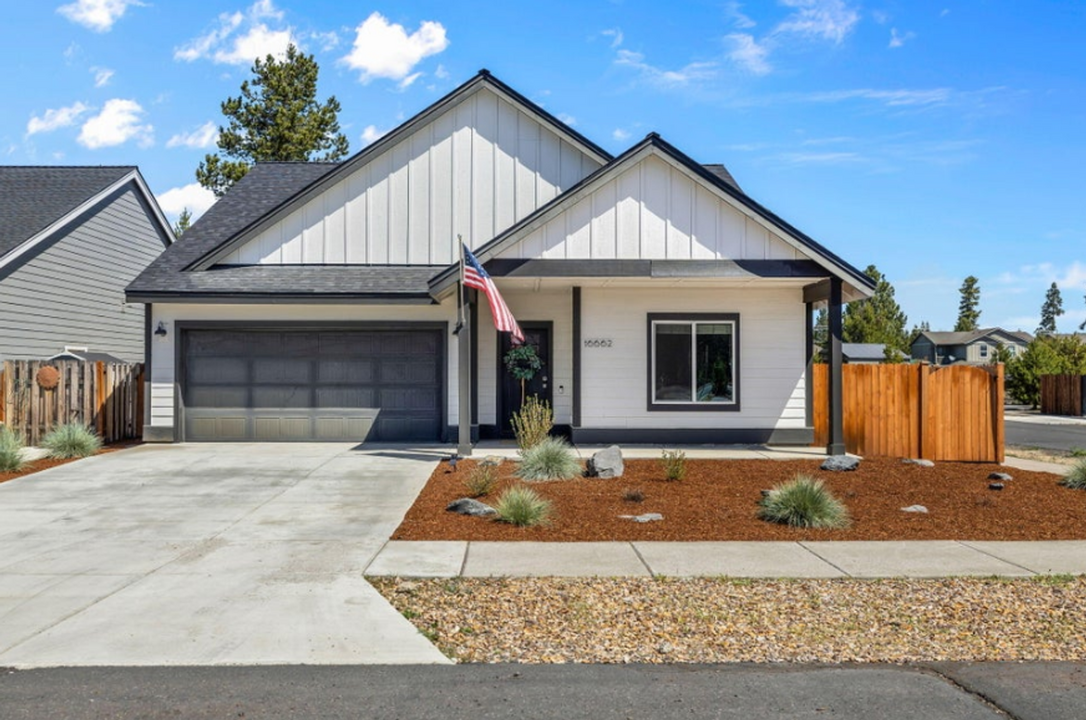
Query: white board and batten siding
[653,211]
[474,170]
[772,364]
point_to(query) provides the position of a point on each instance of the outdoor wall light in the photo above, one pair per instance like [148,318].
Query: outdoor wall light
[160,331]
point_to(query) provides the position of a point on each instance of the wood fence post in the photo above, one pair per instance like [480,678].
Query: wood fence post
[927,433]
[997,412]
[99,397]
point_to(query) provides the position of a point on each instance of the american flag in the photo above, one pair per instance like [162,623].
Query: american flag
[475,277]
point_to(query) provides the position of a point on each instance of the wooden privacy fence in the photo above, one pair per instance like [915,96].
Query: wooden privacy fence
[106,396]
[1063,394]
[917,411]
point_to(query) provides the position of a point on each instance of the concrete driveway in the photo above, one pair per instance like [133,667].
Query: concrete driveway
[206,554]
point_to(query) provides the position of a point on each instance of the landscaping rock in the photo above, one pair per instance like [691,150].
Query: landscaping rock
[470,506]
[995,486]
[1003,477]
[606,463]
[407,586]
[915,509]
[647,517]
[491,461]
[840,463]
[918,462]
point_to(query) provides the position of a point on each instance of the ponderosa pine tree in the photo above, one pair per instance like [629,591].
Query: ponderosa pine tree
[969,306]
[879,319]
[1052,309]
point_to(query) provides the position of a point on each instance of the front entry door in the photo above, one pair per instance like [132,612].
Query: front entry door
[537,335]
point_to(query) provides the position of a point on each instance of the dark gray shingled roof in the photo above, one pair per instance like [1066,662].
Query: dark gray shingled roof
[964,338]
[723,173]
[34,197]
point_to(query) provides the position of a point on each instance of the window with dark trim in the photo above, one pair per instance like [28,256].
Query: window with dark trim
[693,361]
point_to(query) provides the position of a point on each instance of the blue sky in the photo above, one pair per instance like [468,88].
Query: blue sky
[933,139]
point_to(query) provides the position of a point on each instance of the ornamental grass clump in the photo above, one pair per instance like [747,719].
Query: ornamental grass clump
[804,502]
[1076,477]
[481,480]
[532,424]
[551,459]
[523,507]
[71,440]
[674,464]
[11,451]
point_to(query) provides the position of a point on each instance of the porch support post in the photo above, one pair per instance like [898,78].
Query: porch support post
[463,403]
[836,444]
[576,356]
[808,385]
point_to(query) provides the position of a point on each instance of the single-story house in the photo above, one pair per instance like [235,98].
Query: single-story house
[975,347]
[71,240]
[319,301]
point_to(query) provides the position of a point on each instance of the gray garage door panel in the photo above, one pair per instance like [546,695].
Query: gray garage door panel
[242,385]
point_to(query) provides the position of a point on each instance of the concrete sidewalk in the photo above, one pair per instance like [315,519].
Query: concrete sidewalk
[913,559]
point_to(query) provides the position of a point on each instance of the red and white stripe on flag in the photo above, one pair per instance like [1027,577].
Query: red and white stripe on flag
[476,277]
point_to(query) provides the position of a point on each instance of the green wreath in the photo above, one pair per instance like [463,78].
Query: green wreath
[523,362]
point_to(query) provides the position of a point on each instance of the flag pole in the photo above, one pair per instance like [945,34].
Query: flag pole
[463,444]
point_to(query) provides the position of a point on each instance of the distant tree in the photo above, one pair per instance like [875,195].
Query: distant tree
[969,307]
[1001,354]
[1052,309]
[822,336]
[1083,325]
[878,319]
[1046,355]
[917,329]
[183,222]
[276,117]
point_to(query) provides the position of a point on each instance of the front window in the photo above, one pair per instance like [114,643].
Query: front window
[694,362]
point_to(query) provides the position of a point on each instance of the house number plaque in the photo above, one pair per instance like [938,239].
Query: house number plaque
[598,343]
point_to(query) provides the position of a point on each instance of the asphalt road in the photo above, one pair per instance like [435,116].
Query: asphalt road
[1051,436]
[983,691]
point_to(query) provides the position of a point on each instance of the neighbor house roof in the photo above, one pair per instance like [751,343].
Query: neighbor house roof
[864,351]
[965,338]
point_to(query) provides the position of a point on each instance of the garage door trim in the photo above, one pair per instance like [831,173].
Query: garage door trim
[183,326]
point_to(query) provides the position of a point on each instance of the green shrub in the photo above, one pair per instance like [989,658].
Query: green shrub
[532,424]
[1076,478]
[71,441]
[481,480]
[803,502]
[674,464]
[11,446]
[523,507]
[551,459]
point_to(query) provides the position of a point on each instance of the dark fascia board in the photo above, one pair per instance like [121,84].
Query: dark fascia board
[526,267]
[341,170]
[239,298]
[853,275]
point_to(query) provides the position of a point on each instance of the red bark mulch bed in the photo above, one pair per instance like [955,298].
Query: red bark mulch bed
[718,501]
[46,463]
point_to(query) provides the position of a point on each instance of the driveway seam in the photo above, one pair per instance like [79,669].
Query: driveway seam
[833,565]
[924,668]
[641,557]
[965,543]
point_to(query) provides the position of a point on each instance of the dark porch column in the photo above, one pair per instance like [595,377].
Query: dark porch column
[836,444]
[463,423]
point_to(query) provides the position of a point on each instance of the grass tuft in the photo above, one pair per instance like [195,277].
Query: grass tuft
[11,446]
[481,480]
[71,440]
[674,464]
[551,459]
[523,506]
[1076,477]
[804,502]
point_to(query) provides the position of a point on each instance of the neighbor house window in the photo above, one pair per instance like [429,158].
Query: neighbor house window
[983,350]
[693,362]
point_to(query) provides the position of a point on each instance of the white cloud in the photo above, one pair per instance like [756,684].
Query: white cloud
[241,38]
[119,122]
[407,81]
[385,50]
[567,119]
[620,135]
[202,137]
[740,20]
[823,158]
[328,40]
[441,73]
[897,41]
[827,19]
[98,15]
[194,196]
[55,119]
[749,54]
[102,76]
[616,36]
[666,78]
[893,98]
[371,134]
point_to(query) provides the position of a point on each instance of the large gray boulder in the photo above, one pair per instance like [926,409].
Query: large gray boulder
[606,463]
[840,463]
[470,506]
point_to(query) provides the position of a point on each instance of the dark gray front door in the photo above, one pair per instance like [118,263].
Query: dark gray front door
[336,385]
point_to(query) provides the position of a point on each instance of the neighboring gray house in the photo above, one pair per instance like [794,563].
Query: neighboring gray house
[71,239]
[866,353]
[975,347]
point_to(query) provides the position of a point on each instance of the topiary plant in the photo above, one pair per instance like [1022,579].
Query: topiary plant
[523,506]
[804,502]
[71,440]
[551,459]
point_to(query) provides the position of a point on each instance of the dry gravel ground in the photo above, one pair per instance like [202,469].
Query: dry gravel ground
[662,620]
[1059,457]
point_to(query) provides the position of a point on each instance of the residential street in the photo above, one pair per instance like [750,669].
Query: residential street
[1031,691]
[1054,433]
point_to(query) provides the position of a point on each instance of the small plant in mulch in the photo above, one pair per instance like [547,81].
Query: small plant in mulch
[633,495]
[481,480]
[11,451]
[804,502]
[523,507]
[71,440]
[533,422]
[1076,478]
[551,459]
[674,464]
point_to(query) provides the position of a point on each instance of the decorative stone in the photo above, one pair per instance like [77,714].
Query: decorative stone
[915,509]
[995,486]
[470,506]
[1003,477]
[491,461]
[606,463]
[918,462]
[840,463]
[647,517]
[407,586]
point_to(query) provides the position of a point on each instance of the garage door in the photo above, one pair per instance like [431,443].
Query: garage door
[287,385]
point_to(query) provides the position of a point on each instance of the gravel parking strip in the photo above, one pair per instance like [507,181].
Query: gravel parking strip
[663,620]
